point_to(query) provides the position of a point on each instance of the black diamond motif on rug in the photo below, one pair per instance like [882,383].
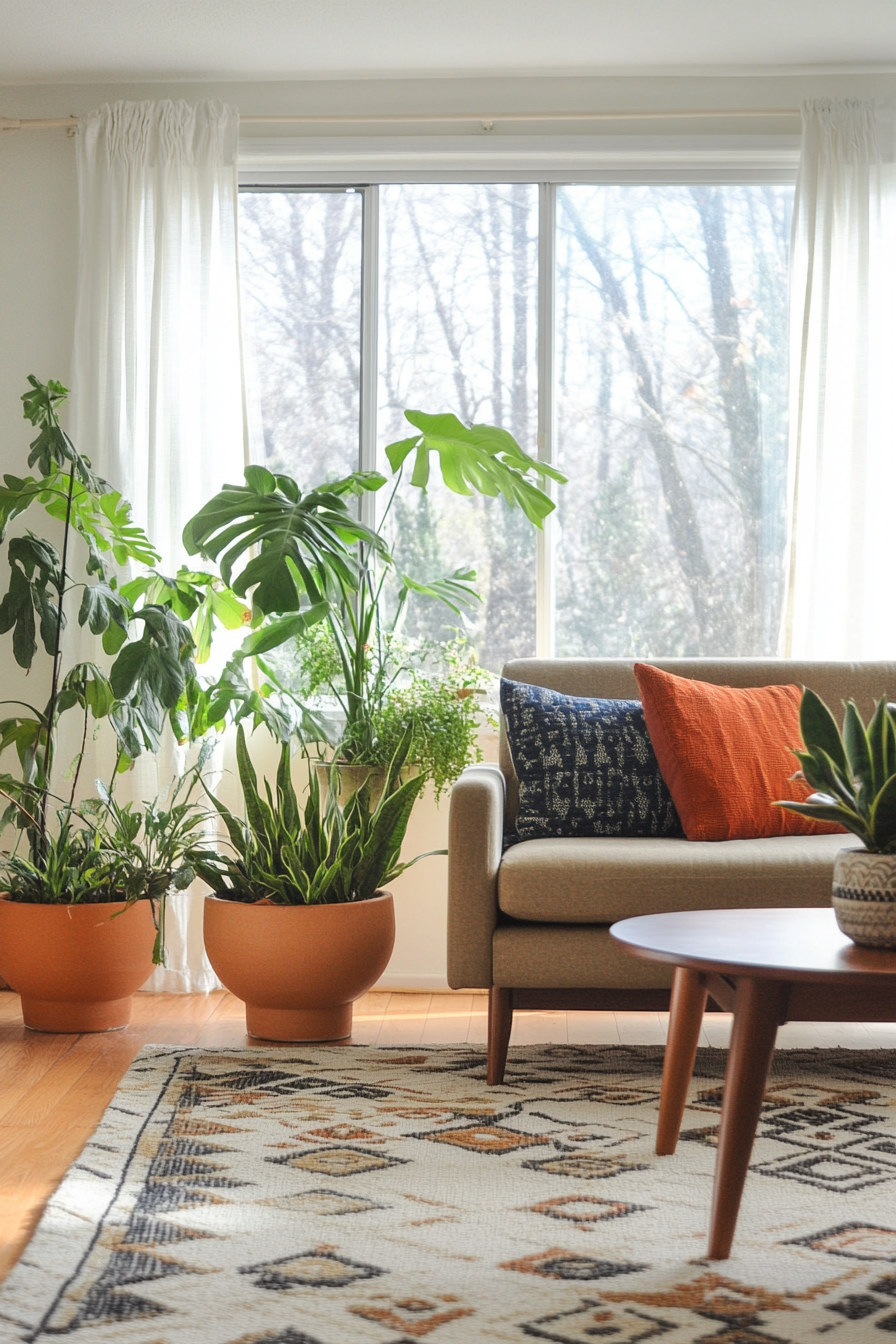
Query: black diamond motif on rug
[311,1269]
[595,1320]
[287,1336]
[854,1241]
[143,1231]
[836,1172]
[102,1306]
[856,1306]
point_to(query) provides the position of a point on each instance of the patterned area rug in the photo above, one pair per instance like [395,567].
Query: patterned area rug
[342,1195]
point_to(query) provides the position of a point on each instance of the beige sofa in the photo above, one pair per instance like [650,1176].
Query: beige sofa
[531,924]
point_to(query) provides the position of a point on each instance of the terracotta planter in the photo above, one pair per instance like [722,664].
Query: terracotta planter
[353,777]
[299,968]
[76,966]
[864,897]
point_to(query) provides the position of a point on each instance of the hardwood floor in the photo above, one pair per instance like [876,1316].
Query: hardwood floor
[54,1089]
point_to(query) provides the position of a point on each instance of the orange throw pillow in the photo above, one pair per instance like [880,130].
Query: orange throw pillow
[726,755]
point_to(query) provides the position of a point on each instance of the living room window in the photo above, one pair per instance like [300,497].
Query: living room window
[634,332]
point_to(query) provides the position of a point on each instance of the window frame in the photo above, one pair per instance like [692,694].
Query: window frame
[363,164]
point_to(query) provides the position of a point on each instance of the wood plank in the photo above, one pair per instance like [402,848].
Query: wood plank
[448,1019]
[368,1016]
[404,1019]
[592,1028]
[642,1028]
[477,1033]
[539,1029]
[24,1062]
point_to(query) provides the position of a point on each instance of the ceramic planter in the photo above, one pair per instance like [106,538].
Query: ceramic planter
[353,777]
[299,968]
[864,897]
[76,966]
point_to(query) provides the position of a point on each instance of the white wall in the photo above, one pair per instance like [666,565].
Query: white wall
[38,260]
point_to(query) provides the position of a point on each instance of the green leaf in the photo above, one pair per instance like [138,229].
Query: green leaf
[16,495]
[358,483]
[90,688]
[830,812]
[17,614]
[288,804]
[275,633]
[478,458]
[882,822]
[301,543]
[818,728]
[858,751]
[877,744]
[249,781]
[229,610]
[890,742]
[455,590]
[101,606]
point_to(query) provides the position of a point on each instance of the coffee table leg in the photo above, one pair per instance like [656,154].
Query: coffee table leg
[685,1019]
[758,1011]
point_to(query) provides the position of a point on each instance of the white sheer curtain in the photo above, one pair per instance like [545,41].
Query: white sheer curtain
[157,379]
[843,380]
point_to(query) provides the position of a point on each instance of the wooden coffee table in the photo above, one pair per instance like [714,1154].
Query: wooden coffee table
[768,967]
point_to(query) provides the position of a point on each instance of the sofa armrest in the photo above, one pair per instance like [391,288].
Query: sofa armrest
[475,842]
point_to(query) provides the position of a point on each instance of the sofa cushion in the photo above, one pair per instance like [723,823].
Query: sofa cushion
[599,880]
[726,754]
[585,767]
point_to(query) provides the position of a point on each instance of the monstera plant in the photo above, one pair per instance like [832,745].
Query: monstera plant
[75,860]
[305,560]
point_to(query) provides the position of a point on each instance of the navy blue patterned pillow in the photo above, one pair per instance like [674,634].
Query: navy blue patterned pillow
[585,767]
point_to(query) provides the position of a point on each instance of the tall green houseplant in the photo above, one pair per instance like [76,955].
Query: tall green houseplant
[49,586]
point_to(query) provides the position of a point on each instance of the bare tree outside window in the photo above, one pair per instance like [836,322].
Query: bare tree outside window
[458,295]
[670,394]
[300,257]
[671,404]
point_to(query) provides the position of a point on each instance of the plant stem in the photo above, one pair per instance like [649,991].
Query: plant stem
[80,757]
[57,660]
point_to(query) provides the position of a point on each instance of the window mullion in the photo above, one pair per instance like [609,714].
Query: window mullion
[544,583]
[367,456]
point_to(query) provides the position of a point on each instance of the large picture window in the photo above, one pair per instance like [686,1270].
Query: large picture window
[664,399]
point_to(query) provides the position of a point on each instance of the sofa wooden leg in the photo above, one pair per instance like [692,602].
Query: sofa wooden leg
[500,1021]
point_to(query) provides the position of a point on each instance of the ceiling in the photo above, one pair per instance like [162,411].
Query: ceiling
[49,41]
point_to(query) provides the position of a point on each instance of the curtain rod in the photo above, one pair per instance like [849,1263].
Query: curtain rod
[407,118]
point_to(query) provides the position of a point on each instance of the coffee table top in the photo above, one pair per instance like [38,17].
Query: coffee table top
[788,944]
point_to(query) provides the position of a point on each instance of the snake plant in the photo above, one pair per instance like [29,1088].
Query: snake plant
[853,772]
[317,855]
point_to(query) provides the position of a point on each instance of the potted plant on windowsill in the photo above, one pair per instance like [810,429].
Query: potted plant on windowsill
[81,915]
[854,775]
[300,924]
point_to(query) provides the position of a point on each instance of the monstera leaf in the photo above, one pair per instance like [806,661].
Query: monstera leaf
[301,541]
[455,590]
[478,458]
